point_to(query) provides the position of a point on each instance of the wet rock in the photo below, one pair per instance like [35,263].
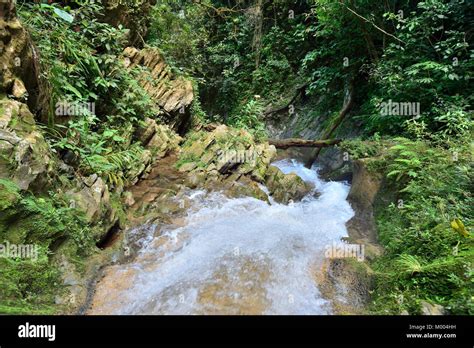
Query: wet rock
[346,283]
[195,179]
[157,192]
[335,165]
[245,187]
[285,187]
[365,187]
[265,154]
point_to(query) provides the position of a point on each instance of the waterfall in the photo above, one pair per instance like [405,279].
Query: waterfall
[234,256]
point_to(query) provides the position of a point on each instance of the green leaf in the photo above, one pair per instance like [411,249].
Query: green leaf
[393,172]
[73,90]
[64,15]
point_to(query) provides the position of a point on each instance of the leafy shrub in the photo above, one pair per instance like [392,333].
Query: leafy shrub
[81,62]
[426,257]
[250,117]
[29,285]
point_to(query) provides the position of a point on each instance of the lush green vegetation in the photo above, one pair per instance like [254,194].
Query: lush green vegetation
[429,251]
[255,55]
[37,224]
[250,62]
[81,65]
[424,228]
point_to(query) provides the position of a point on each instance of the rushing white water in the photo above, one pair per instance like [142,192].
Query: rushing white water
[237,256]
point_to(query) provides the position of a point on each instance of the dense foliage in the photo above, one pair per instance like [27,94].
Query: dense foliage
[247,59]
[81,66]
[252,56]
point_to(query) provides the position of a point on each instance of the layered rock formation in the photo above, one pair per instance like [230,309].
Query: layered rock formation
[173,95]
[18,59]
[233,160]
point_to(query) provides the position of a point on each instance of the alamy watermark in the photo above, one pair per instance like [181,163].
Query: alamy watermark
[64,108]
[343,250]
[393,108]
[237,156]
[22,251]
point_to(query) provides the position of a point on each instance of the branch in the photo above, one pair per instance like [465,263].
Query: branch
[220,11]
[342,115]
[377,27]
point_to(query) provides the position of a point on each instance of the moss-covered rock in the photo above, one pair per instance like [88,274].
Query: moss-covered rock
[159,139]
[228,159]
[24,154]
[9,194]
[225,151]
[285,187]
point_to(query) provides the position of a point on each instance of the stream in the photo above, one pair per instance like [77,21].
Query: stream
[232,256]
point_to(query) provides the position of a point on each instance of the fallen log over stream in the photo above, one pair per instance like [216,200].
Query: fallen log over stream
[295,142]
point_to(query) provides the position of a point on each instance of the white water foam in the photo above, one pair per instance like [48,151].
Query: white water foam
[222,235]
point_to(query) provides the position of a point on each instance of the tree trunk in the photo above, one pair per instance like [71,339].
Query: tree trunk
[342,114]
[257,33]
[295,142]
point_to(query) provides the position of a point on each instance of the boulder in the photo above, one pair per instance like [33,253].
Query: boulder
[226,159]
[230,159]
[285,187]
[431,309]
[24,154]
[226,151]
[362,196]
[159,139]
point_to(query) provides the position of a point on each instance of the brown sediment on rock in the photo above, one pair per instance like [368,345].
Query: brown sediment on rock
[160,192]
[247,280]
[346,282]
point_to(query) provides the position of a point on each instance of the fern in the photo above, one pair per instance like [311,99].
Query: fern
[409,264]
